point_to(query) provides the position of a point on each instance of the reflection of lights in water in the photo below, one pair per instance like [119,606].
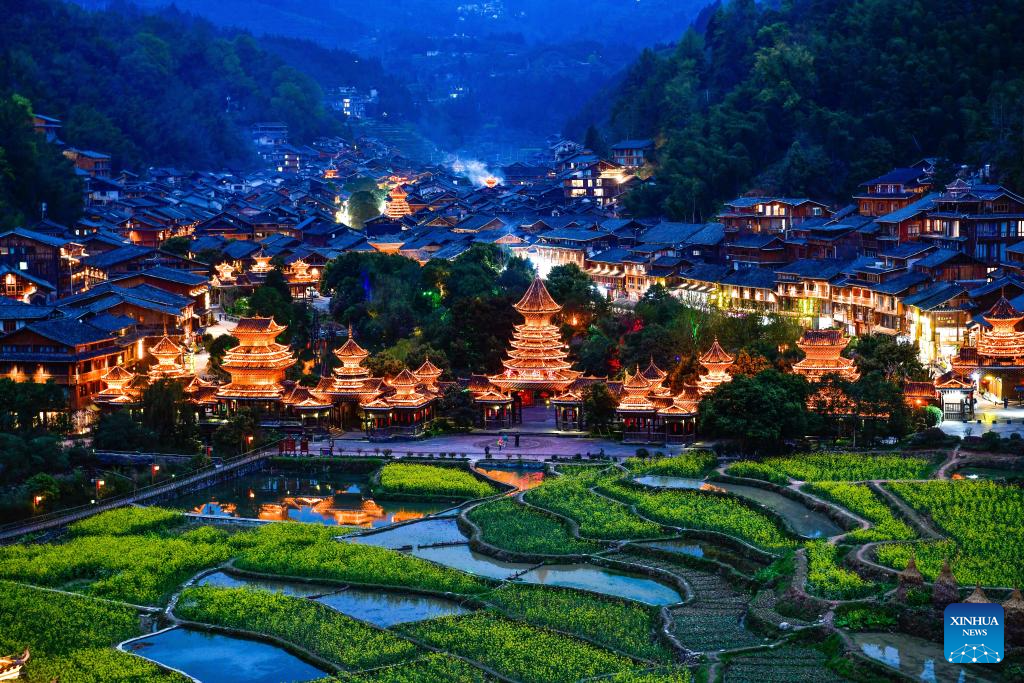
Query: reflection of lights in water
[518,478]
[402,516]
[216,509]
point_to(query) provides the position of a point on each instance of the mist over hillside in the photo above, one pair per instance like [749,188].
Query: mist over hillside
[490,77]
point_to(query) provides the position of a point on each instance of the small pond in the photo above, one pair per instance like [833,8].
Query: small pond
[919,658]
[427,532]
[297,589]
[333,499]
[669,482]
[520,477]
[601,580]
[461,557]
[804,521]
[385,609]
[216,658]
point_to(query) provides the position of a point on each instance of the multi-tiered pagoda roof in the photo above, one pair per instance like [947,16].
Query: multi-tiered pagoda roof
[398,204]
[118,388]
[351,379]
[258,364]
[537,358]
[1003,341]
[169,360]
[823,349]
[717,362]
[428,373]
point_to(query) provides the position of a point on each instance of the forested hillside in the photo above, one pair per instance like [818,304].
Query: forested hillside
[152,89]
[813,96]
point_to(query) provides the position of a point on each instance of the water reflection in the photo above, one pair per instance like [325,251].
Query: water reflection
[673,482]
[462,558]
[606,581]
[803,520]
[385,609]
[681,547]
[215,658]
[427,532]
[295,589]
[332,499]
[521,478]
[919,658]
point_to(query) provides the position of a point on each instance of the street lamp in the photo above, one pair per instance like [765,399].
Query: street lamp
[99,484]
[36,500]
[153,470]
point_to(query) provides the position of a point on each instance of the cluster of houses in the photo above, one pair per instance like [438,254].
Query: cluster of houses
[906,257]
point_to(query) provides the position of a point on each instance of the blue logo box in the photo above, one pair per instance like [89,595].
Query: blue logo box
[973,633]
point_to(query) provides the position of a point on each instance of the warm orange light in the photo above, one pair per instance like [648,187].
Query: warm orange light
[38,499]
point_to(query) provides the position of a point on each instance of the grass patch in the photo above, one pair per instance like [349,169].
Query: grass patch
[686,464]
[71,638]
[431,668]
[622,624]
[698,510]
[828,579]
[860,500]
[517,650]
[145,568]
[433,482]
[832,467]
[127,521]
[659,676]
[513,526]
[309,550]
[597,517]
[306,623]
[985,524]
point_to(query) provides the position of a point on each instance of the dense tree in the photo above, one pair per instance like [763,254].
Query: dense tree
[749,364]
[149,89]
[32,407]
[595,142]
[581,302]
[361,207]
[760,412]
[898,361]
[119,431]
[458,407]
[167,413]
[33,172]
[240,433]
[180,246]
[460,309]
[765,100]
[599,407]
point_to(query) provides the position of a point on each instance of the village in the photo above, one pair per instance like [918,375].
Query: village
[158,257]
[511,341]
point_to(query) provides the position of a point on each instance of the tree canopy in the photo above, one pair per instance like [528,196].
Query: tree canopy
[32,171]
[150,89]
[809,98]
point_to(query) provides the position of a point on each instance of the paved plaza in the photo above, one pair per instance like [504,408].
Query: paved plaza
[531,446]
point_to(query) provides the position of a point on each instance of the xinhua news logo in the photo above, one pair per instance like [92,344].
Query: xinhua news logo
[973,633]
